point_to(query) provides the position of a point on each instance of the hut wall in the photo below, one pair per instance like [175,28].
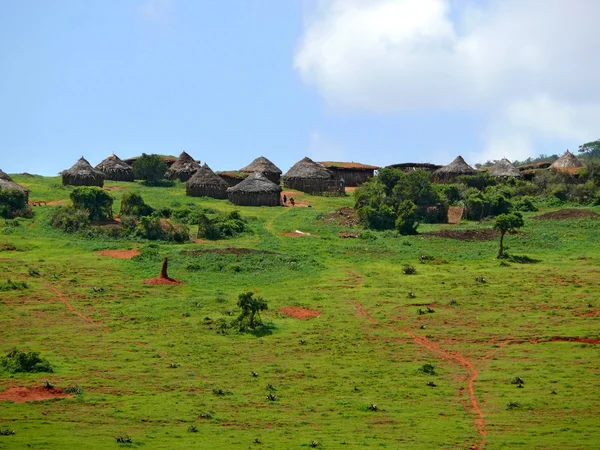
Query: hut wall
[352,177]
[120,175]
[274,177]
[255,199]
[68,180]
[181,176]
[308,185]
[206,191]
[231,181]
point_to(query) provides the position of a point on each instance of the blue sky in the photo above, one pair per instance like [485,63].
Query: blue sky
[230,80]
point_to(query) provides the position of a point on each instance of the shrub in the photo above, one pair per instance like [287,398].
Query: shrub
[132,204]
[428,369]
[150,168]
[251,307]
[406,223]
[409,270]
[13,204]
[13,286]
[221,226]
[152,228]
[17,361]
[96,201]
[524,204]
[70,219]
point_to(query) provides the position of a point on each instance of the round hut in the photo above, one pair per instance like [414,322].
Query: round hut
[452,171]
[256,190]
[206,183]
[115,169]
[568,164]
[82,174]
[6,183]
[264,166]
[308,176]
[183,168]
[504,169]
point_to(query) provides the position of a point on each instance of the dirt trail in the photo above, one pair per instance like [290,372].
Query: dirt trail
[70,308]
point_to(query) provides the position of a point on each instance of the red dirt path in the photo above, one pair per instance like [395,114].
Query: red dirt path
[120,254]
[36,393]
[299,313]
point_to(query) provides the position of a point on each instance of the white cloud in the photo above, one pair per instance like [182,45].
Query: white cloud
[528,66]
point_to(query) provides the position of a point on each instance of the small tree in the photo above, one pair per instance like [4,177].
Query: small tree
[406,223]
[132,204]
[150,168]
[251,307]
[507,223]
[96,201]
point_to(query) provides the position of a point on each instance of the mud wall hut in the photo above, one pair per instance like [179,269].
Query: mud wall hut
[6,183]
[452,171]
[504,169]
[114,168]
[82,174]
[205,183]
[308,176]
[264,166]
[183,168]
[351,173]
[256,190]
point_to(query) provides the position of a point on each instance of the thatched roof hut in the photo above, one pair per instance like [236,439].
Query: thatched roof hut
[256,190]
[504,169]
[206,183]
[82,174]
[567,163]
[308,176]
[232,177]
[263,165]
[410,166]
[455,169]
[351,173]
[6,182]
[183,168]
[114,168]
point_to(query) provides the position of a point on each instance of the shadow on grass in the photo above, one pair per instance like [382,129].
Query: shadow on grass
[159,183]
[265,330]
[522,259]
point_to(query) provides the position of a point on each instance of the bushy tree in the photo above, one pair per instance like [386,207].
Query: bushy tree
[70,219]
[406,223]
[251,307]
[13,204]
[150,168]
[96,201]
[507,223]
[132,204]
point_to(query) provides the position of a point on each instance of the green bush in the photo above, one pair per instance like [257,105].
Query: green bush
[150,168]
[70,219]
[524,204]
[406,223]
[13,204]
[17,361]
[132,204]
[96,201]
[220,227]
[152,228]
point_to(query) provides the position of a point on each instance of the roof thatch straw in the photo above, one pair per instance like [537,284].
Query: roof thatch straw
[308,176]
[115,169]
[455,169]
[263,165]
[505,169]
[183,168]
[206,183]
[567,163]
[232,177]
[6,182]
[256,190]
[82,174]
[407,167]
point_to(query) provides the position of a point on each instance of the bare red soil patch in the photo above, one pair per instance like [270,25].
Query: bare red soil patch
[344,216]
[298,199]
[56,203]
[228,251]
[120,254]
[160,281]
[36,393]
[566,214]
[299,313]
[479,234]
[114,188]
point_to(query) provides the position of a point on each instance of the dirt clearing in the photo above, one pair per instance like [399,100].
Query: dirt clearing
[480,234]
[119,254]
[228,251]
[566,214]
[299,313]
[36,393]
[347,217]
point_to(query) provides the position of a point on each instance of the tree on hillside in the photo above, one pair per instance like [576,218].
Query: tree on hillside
[591,149]
[96,201]
[251,307]
[150,168]
[507,223]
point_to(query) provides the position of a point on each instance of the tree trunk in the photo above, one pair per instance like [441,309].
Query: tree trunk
[163,271]
[501,249]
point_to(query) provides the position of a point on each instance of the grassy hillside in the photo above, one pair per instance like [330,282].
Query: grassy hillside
[151,363]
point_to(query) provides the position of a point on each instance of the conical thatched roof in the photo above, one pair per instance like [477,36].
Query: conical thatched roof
[454,169]
[567,163]
[115,169]
[504,168]
[6,182]
[183,168]
[206,183]
[308,169]
[256,183]
[261,164]
[82,174]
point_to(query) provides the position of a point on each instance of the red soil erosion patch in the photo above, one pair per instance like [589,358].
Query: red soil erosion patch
[36,393]
[480,234]
[344,216]
[228,251]
[119,254]
[299,313]
[57,203]
[565,214]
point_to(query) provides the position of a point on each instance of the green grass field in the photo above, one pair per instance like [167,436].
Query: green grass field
[149,358]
